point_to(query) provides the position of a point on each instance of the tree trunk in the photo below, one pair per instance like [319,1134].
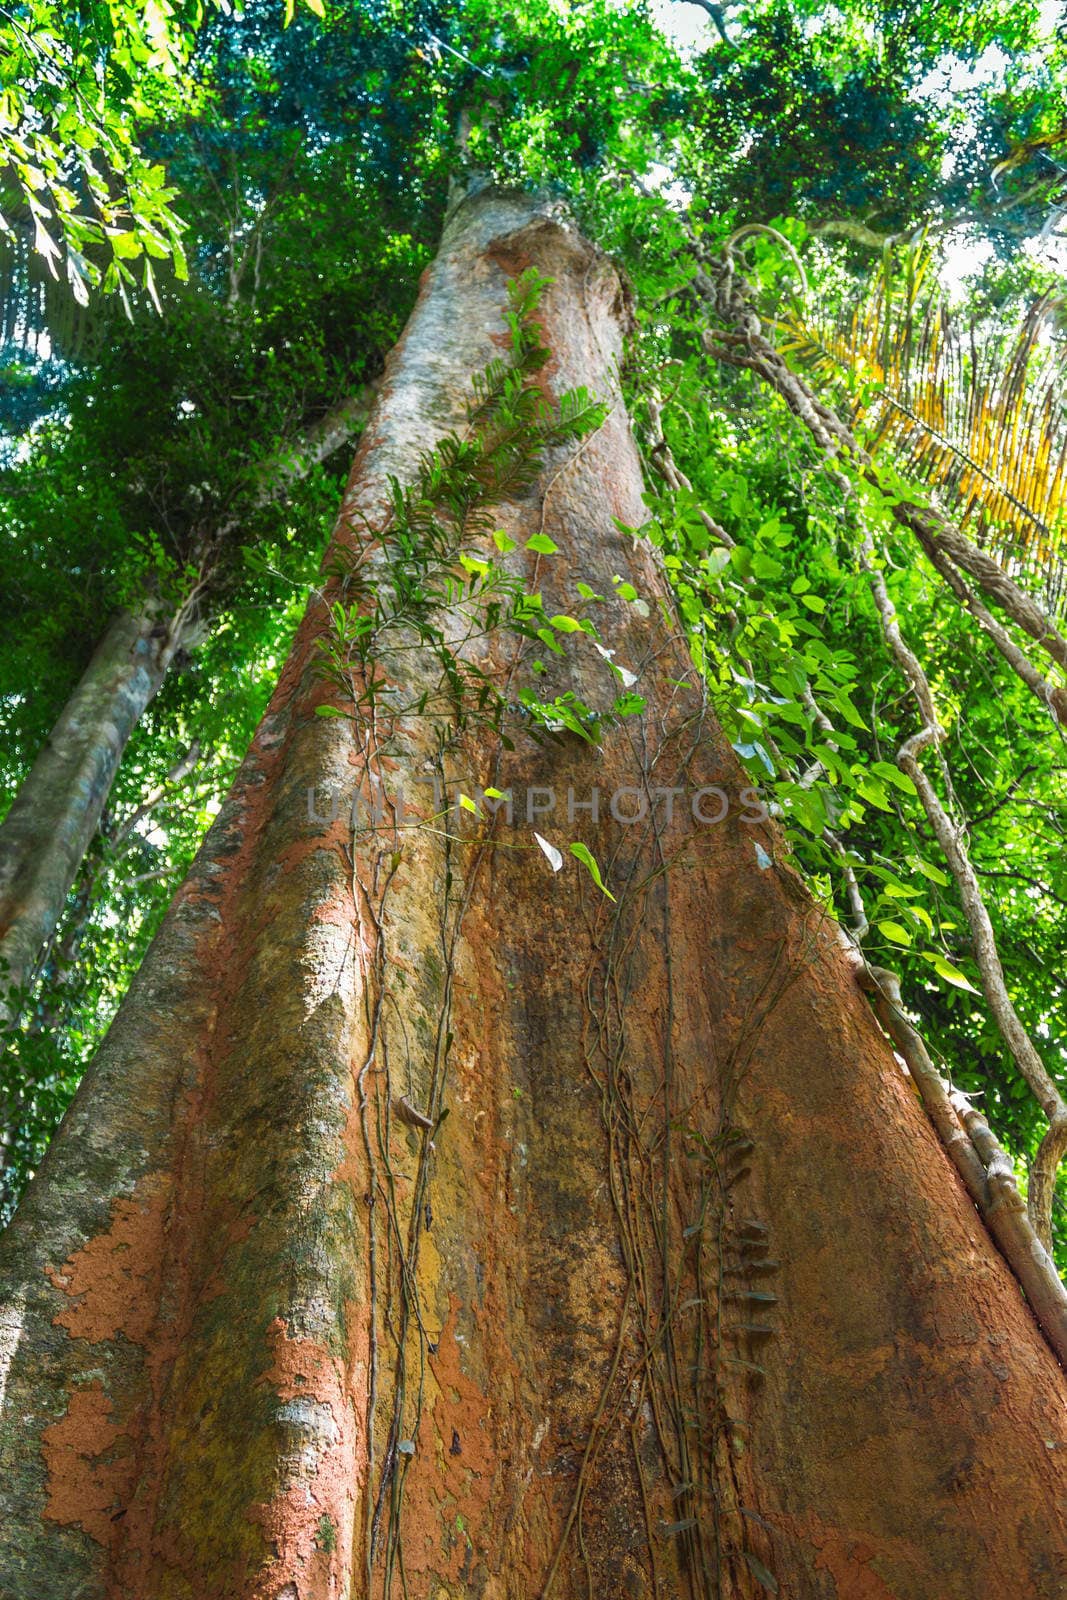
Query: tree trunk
[57,810]
[681,1299]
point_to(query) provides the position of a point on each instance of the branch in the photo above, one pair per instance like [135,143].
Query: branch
[950,838]
[1021,607]
[716,13]
[294,460]
[1054,696]
[859,233]
[672,474]
[1022,877]
[179,771]
[289,464]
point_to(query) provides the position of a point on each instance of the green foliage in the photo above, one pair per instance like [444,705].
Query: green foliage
[855,116]
[78,80]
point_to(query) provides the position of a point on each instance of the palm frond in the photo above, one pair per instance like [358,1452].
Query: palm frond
[977,413]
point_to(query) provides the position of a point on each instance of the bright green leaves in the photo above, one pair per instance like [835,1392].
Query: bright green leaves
[580,852]
[946,970]
[772,620]
[893,775]
[565,624]
[765,567]
[583,854]
[840,700]
[72,101]
[626,592]
[542,545]
[567,713]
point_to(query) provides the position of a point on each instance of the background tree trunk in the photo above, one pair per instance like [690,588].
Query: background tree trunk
[44,837]
[57,810]
[683,1298]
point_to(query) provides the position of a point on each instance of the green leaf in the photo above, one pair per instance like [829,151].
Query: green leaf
[893,774]
[765,1579]
[946,970]
[895,931]
[589,861]
[807,806]
[765,566]
[841,700]
[934,874]
[126,245]
[542,545]
[504,542]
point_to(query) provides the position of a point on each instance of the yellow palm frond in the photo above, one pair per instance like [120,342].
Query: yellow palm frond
[976,413]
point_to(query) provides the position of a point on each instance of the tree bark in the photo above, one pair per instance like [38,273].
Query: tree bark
[682,1298]
[57,810]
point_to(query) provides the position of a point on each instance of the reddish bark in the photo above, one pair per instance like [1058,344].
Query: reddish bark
[694,1300]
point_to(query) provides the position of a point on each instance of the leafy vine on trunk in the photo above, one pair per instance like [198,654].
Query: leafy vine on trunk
[823,793]
[399,594]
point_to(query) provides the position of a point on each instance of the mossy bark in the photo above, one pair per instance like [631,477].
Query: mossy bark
[682,1298]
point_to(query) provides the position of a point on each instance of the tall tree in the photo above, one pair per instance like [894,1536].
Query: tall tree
[431,1220]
